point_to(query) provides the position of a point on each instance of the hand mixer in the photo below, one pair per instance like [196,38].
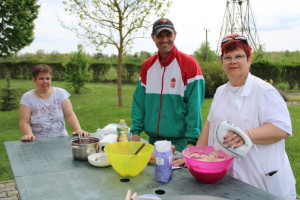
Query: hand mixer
[222,130]
[240,152]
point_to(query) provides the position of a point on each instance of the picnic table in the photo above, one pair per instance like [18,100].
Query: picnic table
[45,169]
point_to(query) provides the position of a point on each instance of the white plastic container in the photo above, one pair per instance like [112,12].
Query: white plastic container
[163,161]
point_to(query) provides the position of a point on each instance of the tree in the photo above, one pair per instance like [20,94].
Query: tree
[77,66]
[113,22]
[259,54]
[200,54]
[16,25]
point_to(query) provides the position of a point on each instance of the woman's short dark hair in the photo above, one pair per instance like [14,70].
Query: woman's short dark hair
[40,69]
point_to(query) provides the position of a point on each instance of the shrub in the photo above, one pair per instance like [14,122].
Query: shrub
[77,66]
[266,70]
[100,69]
[292,74]
[282,86]
[131,70]
[282,89]
[214,76]
[9,97]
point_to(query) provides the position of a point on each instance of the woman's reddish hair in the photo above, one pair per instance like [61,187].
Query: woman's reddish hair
[233,45]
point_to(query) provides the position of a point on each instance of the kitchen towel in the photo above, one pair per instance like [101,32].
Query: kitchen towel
[106,140]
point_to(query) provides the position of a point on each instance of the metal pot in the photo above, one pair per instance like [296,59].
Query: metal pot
[82,148]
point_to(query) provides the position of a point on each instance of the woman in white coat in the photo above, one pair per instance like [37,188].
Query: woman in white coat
[256,107]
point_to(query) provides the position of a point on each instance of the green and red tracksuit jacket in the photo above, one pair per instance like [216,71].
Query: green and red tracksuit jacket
[168,98]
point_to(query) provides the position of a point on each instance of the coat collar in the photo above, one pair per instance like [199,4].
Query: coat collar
[170,57]
[247,87]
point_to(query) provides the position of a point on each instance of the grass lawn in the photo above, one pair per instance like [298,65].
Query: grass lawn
[97,105]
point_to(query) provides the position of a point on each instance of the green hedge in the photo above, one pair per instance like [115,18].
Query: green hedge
[291,75]
[266,71]
[22,69]
[130,70]
[212,71]
[279,73]
[99,70]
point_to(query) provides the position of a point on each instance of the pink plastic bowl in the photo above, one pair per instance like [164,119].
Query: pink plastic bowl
[207,171]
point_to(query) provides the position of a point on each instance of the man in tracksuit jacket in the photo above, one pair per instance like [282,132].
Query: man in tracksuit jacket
[169,95]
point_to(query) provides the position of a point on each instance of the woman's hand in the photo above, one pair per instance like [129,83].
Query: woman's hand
[82,133]
[28,137]
[233,139]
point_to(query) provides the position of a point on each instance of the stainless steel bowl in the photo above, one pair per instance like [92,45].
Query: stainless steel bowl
[83,147]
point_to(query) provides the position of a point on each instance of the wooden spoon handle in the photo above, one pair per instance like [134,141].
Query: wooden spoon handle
[142,146]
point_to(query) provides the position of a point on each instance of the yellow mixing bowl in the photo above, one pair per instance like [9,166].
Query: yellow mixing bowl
[122,159]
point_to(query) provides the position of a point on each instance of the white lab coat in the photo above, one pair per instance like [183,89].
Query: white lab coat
[250,106]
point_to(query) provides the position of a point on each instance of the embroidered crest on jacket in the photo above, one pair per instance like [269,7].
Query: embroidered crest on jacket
[173,82]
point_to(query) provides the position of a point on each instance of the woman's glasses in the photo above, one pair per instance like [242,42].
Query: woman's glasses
[237,58]
[242,38]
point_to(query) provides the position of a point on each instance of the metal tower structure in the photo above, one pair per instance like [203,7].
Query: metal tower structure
[238,18]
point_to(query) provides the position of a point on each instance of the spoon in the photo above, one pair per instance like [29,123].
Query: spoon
[139,149]
[79,137]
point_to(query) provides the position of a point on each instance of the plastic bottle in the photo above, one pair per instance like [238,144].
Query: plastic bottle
[122,130]
[163,161]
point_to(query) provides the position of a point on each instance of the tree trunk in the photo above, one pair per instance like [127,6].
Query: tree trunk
[119,85]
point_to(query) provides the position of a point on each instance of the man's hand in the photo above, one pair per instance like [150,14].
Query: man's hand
[136,137]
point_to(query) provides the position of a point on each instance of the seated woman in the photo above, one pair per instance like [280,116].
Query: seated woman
[43,110]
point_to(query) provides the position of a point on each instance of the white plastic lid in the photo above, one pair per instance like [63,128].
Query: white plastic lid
[162,145]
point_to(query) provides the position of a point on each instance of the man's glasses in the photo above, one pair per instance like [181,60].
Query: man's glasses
[242,38]
[237,58]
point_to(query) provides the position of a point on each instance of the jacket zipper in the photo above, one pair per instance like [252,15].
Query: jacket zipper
[161,96]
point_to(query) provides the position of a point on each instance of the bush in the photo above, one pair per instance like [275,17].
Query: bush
[282,89]
[9,97]
[282,86]
[77,66]
[214,76]
[266,71]
[100,69]
[291,74]
[131,70]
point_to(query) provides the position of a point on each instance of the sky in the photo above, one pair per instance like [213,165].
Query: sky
[277,24]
